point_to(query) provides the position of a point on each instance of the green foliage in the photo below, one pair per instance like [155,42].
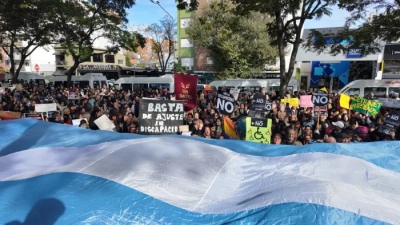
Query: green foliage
[238,45]
[81,23]
[286,25]
[28,21]
[189,5]
[359,30]
[163,40]
[179,68]
[132,41]
[128,61]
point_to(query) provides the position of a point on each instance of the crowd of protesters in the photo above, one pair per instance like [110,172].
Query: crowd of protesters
[290,125]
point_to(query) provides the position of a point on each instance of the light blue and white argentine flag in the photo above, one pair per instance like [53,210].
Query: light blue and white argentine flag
[59,174]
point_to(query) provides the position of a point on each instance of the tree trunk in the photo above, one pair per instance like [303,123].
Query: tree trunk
[12,69]
[282,67]
[71,72]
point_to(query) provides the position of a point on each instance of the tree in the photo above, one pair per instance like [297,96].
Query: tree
[286,25]
[360,32]
[81,23]
[238,45]
[163,40]
[25,26]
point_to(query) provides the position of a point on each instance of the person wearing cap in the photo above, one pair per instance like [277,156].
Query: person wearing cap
[337,128]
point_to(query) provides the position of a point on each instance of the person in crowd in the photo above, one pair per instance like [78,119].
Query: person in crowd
[277,139]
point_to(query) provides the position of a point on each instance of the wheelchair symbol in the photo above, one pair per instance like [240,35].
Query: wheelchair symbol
[258,135]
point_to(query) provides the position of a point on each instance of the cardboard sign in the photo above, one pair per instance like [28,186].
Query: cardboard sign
[258,106]
[184,128]
[363,106]
[160,116]
[390,103]
[73,95]
[306,101]
[8,115]
[320,99]
[235,93]
[36,116]
[344,101]
[293,102]
[45,107]
[391,124]
[225,103]
[104,123]
[258,130]
[77,122]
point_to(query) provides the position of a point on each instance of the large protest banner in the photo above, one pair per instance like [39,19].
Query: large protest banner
[391,124]
[186,89]
[363,106]
[8,115]
[160,116]
[390,103]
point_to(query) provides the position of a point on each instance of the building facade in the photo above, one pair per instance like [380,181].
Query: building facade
[335,71]
[191,58]
[41,60]
[108,64]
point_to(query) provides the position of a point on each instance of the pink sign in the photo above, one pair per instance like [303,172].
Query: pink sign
[305,101]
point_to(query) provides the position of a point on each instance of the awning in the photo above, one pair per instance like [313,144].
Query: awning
[59,52]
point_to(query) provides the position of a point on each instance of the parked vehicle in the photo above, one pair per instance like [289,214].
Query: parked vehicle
[25,77]
[93,80]
[380,88]
[253,85]
[136,83]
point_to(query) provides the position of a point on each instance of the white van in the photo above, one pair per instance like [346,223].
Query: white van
[141,83]
[246,85]
[26,77]
[380,88]
[93,80]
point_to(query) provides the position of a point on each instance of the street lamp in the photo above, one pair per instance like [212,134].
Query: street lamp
[157,2]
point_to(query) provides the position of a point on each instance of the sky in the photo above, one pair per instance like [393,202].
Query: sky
[144,13]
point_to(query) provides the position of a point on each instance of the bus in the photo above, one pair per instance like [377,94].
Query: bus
[142,83]
[92,80]
[380,88]
[26,77]
[253,85]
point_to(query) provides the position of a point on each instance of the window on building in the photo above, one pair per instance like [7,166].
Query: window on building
[185,43]
[187,61]
[97,58]
[209,61]
[110,59]
[120,61]
[185,22]
[26,63]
